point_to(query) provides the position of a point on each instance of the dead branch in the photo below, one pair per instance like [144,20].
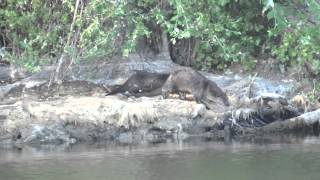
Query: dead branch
[64,62]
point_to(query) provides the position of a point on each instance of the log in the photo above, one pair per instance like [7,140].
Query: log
[306,123]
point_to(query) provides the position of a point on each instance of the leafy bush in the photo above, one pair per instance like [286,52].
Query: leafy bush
[296,39]
[209,34]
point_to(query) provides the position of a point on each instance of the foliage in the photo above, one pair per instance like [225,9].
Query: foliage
[296,38]
[32,29]
[313,96]
[35,32]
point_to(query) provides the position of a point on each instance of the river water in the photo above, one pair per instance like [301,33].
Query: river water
[293,160]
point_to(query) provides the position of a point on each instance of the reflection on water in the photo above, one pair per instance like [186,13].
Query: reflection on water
[201,160]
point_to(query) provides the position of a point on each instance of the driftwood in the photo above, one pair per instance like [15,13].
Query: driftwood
[306,123]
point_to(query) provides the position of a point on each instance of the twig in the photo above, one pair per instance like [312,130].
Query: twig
[250,85]
[57,75]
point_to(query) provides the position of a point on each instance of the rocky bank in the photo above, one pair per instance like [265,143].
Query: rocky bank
[78,110]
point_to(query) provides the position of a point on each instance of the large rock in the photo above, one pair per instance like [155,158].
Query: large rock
[98,118]
[9,74]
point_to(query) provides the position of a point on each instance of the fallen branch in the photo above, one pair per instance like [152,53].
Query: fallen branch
[305,121]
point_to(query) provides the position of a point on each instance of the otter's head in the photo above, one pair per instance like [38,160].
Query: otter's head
[216,91]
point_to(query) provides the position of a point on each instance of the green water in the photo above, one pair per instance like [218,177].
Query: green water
[168,161]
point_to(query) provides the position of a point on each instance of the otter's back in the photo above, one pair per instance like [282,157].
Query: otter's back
[188,80]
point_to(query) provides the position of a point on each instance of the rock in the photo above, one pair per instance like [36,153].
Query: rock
[45,134]
[95,118]
[10,74]
[5,74]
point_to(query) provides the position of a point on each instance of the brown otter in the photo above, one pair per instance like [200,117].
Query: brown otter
[190,81]
[141,83]
[301,102]
[273,107]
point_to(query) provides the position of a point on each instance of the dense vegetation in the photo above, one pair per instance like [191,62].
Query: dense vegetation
[210,34]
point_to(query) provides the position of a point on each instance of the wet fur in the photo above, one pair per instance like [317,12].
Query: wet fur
[190,81]
[301,102]
[142,83]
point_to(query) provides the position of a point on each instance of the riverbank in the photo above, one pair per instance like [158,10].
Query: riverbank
[78,110]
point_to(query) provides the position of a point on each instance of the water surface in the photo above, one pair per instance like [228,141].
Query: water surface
[168,161]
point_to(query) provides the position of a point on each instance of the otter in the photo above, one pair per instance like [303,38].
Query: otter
[142,83]
[273,107]
[190,81]
[301,102]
